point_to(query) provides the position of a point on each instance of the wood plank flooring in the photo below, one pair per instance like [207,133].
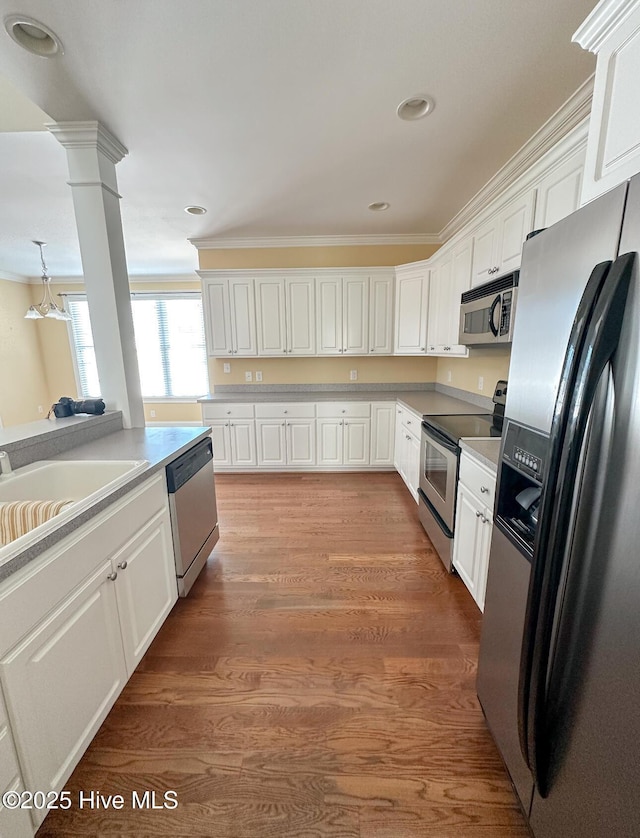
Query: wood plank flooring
[319,682]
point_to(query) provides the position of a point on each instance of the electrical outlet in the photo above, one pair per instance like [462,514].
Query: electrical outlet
[248,376]
[480,382]
[258,375]
[40,409]
[226,367]
[353,375]
[152,414]
[448,376]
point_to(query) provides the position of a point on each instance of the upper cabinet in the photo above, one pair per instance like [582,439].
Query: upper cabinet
[450,277]
[342,312]
[612,32]
[381,315]
[229,316]
[497,243]
[559,190]
[285,309]
[412,303]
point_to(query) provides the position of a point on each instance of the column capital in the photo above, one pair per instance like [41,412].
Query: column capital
[90,134]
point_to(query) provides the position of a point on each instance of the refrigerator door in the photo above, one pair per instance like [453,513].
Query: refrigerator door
[593,677]
[555,267]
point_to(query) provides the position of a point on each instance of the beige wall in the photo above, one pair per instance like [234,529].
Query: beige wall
[316,257]
[23,387]
[491,363]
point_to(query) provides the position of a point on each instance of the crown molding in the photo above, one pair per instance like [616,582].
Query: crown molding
[251,273]
[22,280]
[217,243]
[575,110]
[90,134]
[141,279]
[602,21]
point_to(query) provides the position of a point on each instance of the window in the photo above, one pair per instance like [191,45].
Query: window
[169,333]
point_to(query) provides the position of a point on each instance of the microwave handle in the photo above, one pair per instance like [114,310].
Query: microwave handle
[494,305]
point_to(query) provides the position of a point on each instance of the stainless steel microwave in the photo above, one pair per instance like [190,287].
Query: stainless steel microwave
[487,312]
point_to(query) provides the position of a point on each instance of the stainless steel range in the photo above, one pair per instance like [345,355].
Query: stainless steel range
[439,460]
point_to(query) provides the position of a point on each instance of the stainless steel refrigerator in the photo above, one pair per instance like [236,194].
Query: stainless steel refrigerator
[559,669]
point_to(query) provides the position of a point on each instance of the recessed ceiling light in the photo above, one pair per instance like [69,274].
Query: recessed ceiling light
[415,107]
[195,210]
[379,206]
[33,36]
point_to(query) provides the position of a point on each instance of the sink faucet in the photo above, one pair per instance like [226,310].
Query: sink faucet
[5,463]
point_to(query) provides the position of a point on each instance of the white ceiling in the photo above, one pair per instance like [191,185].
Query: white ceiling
[278,115]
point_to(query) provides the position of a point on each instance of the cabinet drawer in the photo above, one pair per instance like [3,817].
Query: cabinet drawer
[411,421]
[478,479]
[227,410]
[340,409]
[285,410]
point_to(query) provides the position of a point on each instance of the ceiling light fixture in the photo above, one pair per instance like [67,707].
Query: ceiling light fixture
[379,206]
[47,306]
[195,210]
[33,36]
[415,107]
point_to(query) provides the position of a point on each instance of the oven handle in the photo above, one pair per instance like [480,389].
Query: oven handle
[439,437]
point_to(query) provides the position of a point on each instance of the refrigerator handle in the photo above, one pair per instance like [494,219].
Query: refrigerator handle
[600,343]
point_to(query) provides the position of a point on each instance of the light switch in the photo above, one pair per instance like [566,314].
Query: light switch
[353,375]
[258,375]
[248,376]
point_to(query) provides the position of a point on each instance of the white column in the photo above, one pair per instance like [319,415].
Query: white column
[92,154]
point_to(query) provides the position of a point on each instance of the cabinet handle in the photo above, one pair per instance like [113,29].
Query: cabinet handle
[484,490]
[123,565]
[112,576]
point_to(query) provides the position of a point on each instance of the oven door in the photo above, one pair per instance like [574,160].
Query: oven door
[480,321]
[439,472]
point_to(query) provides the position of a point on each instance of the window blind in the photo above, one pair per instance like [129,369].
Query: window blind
[170,343]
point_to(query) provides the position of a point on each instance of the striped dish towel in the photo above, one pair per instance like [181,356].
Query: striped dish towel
[19,517]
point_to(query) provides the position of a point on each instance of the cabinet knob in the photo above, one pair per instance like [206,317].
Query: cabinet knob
[285,411]
[478,514]
[231,352]
[343,411]
[423,349]
[408,437]
[123,565]
[484,490]
[408,421]
[485,520]
[340,350]
[228,413]
[112,576]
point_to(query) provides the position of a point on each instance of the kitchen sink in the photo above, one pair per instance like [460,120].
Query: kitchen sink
[81,482]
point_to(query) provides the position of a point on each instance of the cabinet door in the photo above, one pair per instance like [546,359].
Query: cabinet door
[301,442]
[559,191]
[243,442]
[413,464]
[398,447]
[412,292]
[357,433]
[329,441]
[381,315]
[355,315]
[271,316]
[243,316]
[483,556]
[217,320]
[469,534]
[146,586]
[439,306]
[62,680]
[16,823]
[301,316]
[270,435]
[221,443]
[382,434]
[516,221]
[329,316]
[485,249]
[460,282]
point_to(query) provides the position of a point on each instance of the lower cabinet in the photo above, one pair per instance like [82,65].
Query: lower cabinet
[234,443]
[286,442]
[14,823]
[474,521]
[407,448]
[343,433]
[383,419]
[64,662]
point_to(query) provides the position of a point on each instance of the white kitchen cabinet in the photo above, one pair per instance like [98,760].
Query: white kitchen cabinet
[411,309]
[14,823]
[229,316]
[343,433]
[438,309]
[407,448]
[474,517]
[221,440]
[286,442]
[559,190]
[285,310]
[342,311]
[381,315]
[497,243]
[612,32]
[383,418]
[234,442]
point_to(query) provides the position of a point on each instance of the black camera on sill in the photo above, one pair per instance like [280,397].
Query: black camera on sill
[69,407]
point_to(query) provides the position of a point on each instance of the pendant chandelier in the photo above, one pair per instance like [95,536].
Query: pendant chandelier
[47,306]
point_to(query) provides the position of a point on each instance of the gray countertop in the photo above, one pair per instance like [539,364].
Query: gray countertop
[487,451]
[158,445]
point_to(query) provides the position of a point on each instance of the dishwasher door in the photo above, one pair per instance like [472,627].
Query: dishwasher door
[194,516]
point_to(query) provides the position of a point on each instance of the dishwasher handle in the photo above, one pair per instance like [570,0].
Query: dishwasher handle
[184,468]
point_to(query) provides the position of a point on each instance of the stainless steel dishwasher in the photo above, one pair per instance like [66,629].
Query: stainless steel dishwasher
[194,515]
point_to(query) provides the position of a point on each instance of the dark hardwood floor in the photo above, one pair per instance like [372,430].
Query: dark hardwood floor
[319,681]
